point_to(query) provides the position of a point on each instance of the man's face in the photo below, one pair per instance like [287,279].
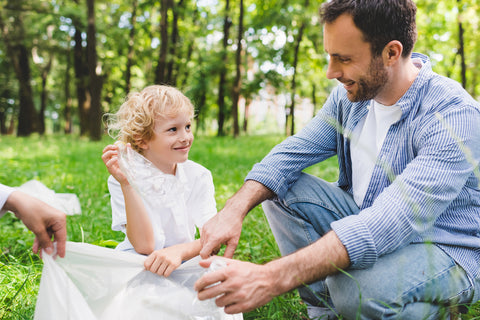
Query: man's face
[351,61]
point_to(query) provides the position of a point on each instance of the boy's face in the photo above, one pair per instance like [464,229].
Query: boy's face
[170,143]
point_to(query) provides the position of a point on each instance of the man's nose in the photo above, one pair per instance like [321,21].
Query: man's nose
[333,71]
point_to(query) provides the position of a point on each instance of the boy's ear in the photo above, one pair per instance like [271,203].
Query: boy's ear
[141,144]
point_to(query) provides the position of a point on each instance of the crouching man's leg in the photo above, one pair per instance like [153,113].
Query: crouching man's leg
[301,218]
[419,281]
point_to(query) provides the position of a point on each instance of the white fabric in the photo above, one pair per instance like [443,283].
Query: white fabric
[175,204]
[96,283]
[5,192]
[367,141]
[66,202]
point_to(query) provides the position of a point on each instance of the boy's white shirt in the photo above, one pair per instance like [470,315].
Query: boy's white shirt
[175,204]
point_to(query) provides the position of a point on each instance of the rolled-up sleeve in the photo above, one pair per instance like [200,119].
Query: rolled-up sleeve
[5,192]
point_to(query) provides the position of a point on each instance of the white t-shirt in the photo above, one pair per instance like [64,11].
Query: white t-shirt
[368,137]
[175,204]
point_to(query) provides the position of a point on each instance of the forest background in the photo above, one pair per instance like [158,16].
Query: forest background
[63,64]
[250,68]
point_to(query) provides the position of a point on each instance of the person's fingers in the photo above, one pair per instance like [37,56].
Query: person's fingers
[60,236]
[206,285]
[206,262]
[148,262]
[169,270]
[161,269]
[207,249]
[230,250]
[155,267]
[44,242]
[35,246]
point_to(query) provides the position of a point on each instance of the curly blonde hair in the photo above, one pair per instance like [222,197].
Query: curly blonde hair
[135,119]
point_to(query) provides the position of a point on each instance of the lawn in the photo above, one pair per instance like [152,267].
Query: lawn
[73,165]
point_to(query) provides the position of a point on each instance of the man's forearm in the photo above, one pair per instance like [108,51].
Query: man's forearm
[324,257]
[251,194]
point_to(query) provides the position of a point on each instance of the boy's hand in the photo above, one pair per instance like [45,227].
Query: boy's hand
[164,261]
[110,158]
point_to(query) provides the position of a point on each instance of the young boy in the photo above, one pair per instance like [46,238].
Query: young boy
[158,196]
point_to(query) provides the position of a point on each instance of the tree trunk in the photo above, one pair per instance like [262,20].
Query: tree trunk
[223,72]
[19,56]
[81,77]
[95,114]
[238,78]
[67,111]
[162,59]
[294,84]
[171,75]
[247,113]
[131,42]
[44,96]
[461,45]
[190,47]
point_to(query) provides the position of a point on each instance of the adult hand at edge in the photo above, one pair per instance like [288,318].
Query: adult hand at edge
[238,287]
[42,219]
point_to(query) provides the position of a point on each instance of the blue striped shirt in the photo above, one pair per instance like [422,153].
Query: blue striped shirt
[425,184]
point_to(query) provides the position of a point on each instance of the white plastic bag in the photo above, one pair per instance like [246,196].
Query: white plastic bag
[66,202]
[93,283]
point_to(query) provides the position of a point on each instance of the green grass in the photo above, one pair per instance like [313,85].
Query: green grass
[73,165]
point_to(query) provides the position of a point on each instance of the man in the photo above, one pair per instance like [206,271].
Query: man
[43,220]
[398,235]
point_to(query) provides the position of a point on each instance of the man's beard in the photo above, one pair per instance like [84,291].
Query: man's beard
[369,85]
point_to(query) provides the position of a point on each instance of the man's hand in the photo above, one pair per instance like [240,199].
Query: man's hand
[223,228]
[226,226]
[43,220]
[239,287]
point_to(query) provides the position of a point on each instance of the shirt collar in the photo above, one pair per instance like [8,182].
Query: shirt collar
[409,100]
[180,173]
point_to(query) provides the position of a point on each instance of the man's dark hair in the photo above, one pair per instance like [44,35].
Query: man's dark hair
[380,21]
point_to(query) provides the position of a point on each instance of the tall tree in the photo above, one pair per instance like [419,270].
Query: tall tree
[96,83]
[80,66]
[67,111]
[171,77]
[162,58]
[293,86]
[227,23]
[237,86]
[44,95]
[14,38]
[461,44]
[131,48]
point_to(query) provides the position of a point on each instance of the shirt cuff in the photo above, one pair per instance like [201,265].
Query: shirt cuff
[5,192]
[358,241]
[269,177]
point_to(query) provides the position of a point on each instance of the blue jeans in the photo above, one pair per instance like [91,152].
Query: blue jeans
[418,281]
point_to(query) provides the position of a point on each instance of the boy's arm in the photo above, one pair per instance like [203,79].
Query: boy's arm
[164,261]
[139,227]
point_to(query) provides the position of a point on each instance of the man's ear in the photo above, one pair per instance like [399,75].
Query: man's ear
[392,52]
